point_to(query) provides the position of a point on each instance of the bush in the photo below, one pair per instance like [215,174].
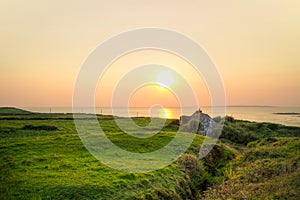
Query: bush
[229,119]
[272,126]
[41,127]
[217,157]
[237,135]
[6,130]
[190,164]
[197,178]
[172,124]
[217,119]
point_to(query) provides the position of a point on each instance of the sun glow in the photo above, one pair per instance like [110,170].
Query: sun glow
[165,113]
[165,79]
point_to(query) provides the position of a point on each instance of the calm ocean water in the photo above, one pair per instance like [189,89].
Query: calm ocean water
[251,113]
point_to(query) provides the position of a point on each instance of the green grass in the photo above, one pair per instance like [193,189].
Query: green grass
[42,157]
[53,164]
[56,165]
[13,111]
[267,169]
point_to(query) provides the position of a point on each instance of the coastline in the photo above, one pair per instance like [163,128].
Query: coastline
[249,113]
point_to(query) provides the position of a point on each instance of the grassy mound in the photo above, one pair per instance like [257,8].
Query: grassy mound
[267,169]
[13,111]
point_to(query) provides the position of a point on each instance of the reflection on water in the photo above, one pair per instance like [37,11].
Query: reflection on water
[251,113]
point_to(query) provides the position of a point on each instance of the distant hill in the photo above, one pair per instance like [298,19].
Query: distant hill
[13,111]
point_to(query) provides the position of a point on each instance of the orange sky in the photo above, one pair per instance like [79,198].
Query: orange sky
[254,44]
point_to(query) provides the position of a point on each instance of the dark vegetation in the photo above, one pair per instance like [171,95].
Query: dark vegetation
[40,128]
[287,113]
[42,157]
[13,111]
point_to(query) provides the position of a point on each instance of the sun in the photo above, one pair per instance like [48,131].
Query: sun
[165,79]
[165,113]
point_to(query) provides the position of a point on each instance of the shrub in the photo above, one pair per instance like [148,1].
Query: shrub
[41,127]
[237,134]
[197,177]
[272,126]
[229,119]
[172,124]
[6,130]
[217,157]
[217,119]
[190,164]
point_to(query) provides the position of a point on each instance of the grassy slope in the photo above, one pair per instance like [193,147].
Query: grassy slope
[268,168]
[40,164]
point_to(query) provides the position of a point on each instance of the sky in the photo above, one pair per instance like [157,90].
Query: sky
[255,46]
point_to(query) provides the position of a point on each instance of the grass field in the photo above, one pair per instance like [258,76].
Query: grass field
[42,157]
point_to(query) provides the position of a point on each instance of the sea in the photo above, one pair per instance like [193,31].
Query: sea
[289,116]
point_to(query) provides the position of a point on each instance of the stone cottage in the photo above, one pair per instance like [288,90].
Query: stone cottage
[208,124]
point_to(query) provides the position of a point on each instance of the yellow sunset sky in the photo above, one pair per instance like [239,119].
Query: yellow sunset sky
[255,46]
